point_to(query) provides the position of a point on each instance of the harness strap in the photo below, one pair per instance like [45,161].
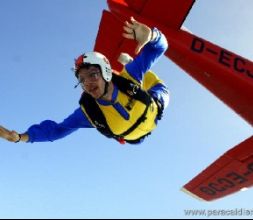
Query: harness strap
[95,114]
[141,119]
[131,89]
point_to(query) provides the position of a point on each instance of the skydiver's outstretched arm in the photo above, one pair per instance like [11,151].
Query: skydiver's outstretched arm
[48,130]
[153,42]
[12,136]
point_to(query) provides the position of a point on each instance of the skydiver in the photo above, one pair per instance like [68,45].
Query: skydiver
[126,107]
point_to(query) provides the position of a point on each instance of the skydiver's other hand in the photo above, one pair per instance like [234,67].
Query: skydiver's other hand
[137,31]
[11,136]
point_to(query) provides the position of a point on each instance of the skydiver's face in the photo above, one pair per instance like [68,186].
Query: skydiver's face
[92,81]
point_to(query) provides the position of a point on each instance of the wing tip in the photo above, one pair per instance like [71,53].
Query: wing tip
[183,189]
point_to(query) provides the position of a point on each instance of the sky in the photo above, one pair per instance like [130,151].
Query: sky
[85,175]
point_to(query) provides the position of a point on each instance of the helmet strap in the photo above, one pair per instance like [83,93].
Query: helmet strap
[105,90]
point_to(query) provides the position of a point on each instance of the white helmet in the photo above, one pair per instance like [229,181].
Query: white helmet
[95,58]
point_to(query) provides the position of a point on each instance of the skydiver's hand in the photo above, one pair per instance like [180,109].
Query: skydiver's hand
[11,136]
[137,31]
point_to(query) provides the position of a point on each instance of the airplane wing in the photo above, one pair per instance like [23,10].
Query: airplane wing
[109,39]
[232,172]
[169,12]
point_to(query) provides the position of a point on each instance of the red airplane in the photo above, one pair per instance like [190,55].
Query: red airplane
[227,75]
